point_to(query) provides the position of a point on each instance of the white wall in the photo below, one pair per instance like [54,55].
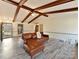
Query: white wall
[65,23]
[26,27]
[61,26]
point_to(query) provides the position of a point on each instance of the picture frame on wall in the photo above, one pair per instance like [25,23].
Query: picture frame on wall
[20,28]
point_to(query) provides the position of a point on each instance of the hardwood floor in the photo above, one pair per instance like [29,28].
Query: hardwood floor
[12,48]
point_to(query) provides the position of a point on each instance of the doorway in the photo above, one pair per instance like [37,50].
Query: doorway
[7,30]
[39,28]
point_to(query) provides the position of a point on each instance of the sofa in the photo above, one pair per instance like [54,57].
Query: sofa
[32,44]
[28,36]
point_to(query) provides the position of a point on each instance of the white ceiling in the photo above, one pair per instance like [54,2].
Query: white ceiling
[8,10]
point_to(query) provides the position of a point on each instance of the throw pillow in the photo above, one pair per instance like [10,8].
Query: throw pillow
[38,35]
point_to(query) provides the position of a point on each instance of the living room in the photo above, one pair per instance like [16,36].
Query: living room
[56,29]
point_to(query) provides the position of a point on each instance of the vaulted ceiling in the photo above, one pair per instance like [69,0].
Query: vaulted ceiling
[7,9]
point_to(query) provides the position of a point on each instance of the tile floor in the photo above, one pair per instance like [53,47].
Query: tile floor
[12,48]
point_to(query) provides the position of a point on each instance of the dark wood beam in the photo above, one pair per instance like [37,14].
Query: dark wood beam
[22,2]
[57,11]
[18,8]
[34,19]
[55,3]
[27,16]
[25,7]
[16,13]
[63,10]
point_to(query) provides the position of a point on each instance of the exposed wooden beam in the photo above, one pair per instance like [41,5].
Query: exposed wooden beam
[27,16]
[55,3]
[25,7]
[16,13]
[22,2]
[63,10]
[18,8]
[57,11]
[34,19]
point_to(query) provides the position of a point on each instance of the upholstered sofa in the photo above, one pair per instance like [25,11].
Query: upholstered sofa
[28,36]
[32,44]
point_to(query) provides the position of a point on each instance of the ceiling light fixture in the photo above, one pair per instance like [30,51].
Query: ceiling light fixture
[33,14]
